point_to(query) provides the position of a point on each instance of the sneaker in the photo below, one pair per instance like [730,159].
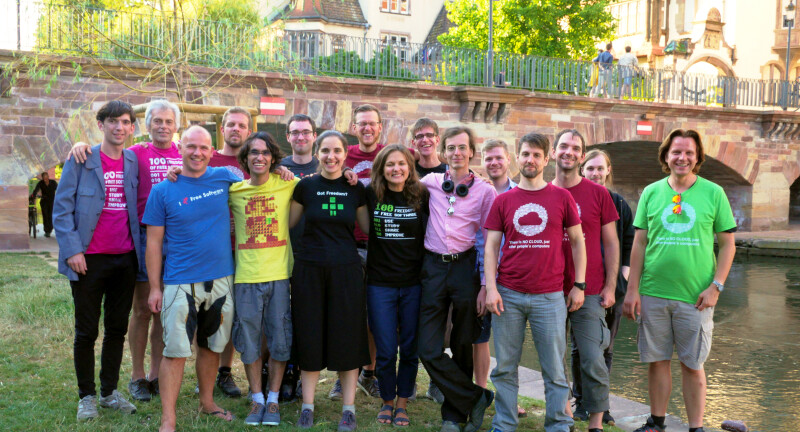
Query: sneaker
[607,419]
[306,420]
[87,408]
[227,386]
[369,385]
[580,413]
[650,426]
[450,426]
[272,415]
[256,413]
[140,390]
[117,402]
[348,421]
[477,413]
[435,394]
[154,390]
[413,396]
[336,391]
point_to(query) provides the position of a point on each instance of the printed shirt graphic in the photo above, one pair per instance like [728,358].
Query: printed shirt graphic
[261,216]
[330,210]
[361,163]
[679,261]
[196,220]
[595,208]
[533,224]
[112,234]
[396,240]
[154,163]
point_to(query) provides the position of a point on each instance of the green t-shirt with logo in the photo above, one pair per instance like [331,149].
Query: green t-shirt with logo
[679,261]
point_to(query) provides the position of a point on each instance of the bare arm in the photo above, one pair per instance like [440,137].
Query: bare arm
[611,262]
[633,304]
[362,218]
[727,249]
[578,246]
[494,303]
[295,213]
[153,257]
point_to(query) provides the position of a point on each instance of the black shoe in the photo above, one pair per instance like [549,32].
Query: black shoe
[227,386]
[140,390]
[580,413]
[607,419]
[650,426]
[478,411]
[154,390]
[47,234]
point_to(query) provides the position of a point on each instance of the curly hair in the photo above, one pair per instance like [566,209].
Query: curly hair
[272,147]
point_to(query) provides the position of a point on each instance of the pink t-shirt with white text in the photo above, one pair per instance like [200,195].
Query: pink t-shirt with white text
[112,234]
[154,163]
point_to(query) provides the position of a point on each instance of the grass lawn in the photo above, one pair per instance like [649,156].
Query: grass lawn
[38,390]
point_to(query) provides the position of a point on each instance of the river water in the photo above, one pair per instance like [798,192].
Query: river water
[754,367]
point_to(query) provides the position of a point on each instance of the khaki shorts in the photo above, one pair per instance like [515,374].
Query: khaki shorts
[202,307]
[666,323]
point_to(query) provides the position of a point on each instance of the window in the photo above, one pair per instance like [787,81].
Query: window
[627,16]
[398,43]
[395,6]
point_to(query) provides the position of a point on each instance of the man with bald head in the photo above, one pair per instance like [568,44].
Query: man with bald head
[191,215]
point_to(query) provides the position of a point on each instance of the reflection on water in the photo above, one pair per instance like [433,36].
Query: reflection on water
[754,367]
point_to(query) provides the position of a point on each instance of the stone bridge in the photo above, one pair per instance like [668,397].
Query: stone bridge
[752,154]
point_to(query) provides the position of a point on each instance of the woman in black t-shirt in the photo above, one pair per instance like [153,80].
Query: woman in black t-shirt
[328,296]
[398,207]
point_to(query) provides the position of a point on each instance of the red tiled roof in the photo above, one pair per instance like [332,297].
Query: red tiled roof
[333,11]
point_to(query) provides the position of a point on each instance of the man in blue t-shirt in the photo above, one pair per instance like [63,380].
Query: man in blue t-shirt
[192,215]
[606,62]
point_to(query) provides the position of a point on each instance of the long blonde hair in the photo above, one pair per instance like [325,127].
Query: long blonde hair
[595,153]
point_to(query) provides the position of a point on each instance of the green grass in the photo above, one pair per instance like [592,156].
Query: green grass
[38,391]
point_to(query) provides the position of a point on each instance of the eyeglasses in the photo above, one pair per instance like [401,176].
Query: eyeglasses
[676,209]
[295,134]
[451,210]
[365,124]
[257,153]
[428,135]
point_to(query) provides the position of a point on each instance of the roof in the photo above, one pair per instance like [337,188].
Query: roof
[440,25]
[347,12]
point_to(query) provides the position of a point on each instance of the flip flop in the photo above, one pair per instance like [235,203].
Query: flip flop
[521,412]
[223,415]
[397,419]
[387,417]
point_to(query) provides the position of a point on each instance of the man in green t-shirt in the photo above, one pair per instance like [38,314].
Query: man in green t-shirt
[675,278]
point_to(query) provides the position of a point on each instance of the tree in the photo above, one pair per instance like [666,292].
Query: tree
[551,28]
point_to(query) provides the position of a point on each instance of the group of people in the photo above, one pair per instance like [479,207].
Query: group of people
[341,256]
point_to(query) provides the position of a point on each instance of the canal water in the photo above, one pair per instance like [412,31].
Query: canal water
[754,367]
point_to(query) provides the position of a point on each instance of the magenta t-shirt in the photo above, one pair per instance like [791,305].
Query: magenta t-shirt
[154,163]
[595,209]
[533,224]
[112,234]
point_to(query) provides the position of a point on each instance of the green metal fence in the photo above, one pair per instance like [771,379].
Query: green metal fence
[165,40]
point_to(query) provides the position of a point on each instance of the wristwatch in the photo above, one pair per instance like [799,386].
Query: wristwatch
[580,285]
[720,287]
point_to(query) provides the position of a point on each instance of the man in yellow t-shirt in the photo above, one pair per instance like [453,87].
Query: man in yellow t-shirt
[264,262]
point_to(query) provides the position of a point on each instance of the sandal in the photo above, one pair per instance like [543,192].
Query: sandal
[401,421]
[385,418]
[521,412]
[223,415]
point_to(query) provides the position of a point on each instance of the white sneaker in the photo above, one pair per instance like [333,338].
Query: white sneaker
[87,408]
[117,402]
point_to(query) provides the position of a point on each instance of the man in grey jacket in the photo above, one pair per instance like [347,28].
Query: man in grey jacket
[97,228]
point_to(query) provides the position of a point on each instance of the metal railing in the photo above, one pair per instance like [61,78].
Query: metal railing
[165,40]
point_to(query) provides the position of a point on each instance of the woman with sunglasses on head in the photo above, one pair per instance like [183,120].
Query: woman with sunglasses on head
[328,298]
[398,207]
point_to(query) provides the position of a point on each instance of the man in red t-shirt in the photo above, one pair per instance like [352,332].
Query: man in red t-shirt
[588,327]
[533,218]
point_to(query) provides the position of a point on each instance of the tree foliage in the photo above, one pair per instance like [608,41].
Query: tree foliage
[553,28]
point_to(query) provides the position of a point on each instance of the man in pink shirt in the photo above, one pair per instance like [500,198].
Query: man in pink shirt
[459,205]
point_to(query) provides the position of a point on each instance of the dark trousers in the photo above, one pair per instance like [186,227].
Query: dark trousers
[112,276]
[47,215]
[613,318]
[443,284]
[393,318]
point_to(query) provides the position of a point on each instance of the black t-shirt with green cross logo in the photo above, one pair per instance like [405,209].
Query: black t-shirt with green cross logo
[330,213]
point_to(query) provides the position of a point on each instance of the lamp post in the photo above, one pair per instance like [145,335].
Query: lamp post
[489,79]
[788,22]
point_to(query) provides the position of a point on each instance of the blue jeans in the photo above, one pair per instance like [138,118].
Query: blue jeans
[393,317]
[546,314]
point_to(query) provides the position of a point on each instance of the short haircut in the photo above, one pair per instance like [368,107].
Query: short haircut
[537,140]
[424,122]
[495,143]
[663,149]
[158,105]
[366,108]
[331,133]
[45,173]
[595,153]
[457,130]
[574,132]
[272,147]
[238,110]
[300,118]
[628,48]
[114,109]
[609,46]
[206,134]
